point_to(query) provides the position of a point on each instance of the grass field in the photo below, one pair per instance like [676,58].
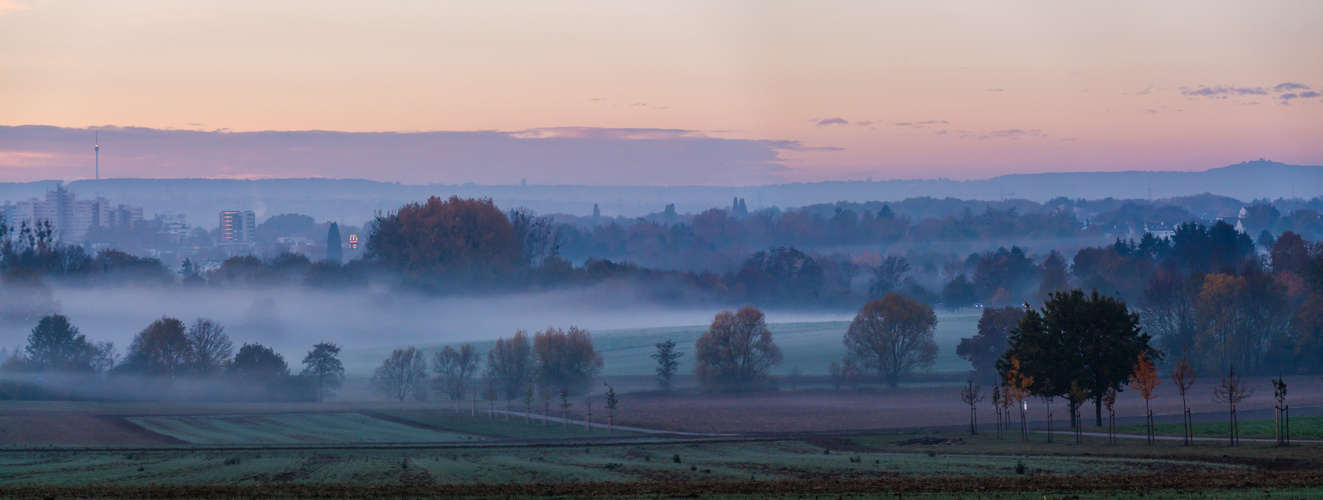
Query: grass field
[757,460]
[291,428]
[1301,428]
[807,346]
[500,428]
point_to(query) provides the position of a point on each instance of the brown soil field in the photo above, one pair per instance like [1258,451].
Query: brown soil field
[76,430]
[39,423]
[819,410]
[1136,484]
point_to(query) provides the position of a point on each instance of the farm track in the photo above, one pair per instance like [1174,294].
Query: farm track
[1119,483]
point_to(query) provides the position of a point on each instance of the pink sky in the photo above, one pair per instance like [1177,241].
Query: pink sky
[866,89]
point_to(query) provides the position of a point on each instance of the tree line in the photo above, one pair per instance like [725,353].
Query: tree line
[59,362]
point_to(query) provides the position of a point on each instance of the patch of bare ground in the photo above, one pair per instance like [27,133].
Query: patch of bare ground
[29,429]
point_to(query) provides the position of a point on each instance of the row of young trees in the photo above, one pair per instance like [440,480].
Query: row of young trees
[166,350]
[554,361]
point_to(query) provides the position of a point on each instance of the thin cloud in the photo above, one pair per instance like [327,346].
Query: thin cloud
[864,123]
[798,146]
[922,124]
[832,121]
[1288,86]
[568,155]
[1221,91]
[995,90]
[1015,133]
[1309,95]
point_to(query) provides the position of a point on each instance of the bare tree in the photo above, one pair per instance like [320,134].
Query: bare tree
[893,335]
[565,405]
[455,370]
[1232,391]
[212,348]
[972,395]
[528,403]
[736,351]
[793,377]
[510,366]
[402,376]
[888,275]
[1283,413]
[1184,377]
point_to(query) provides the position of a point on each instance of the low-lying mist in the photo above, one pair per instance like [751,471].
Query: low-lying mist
[292,319]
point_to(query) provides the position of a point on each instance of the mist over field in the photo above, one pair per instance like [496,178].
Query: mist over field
[292,319]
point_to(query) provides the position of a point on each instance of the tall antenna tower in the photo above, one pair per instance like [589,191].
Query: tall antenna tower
[96,147]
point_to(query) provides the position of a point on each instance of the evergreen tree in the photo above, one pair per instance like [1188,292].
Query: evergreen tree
[334,249]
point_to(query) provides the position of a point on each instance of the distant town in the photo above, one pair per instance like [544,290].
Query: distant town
[97,223]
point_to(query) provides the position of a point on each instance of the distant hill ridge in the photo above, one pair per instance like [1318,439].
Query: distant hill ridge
[355,200]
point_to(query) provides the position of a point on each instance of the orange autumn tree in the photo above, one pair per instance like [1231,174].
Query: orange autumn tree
[1144,379]
[1017,390]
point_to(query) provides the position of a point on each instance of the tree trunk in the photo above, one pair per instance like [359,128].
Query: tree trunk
[1097,410]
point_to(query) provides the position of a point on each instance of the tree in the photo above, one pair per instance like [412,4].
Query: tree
[1184,377]
[611,403]
[455,370]
[565,405]
[259,367]
[335,251]
[794,377]
[887,276]
[160,350]
[566,360]
[893,336]
[402,376]
[211,346]
[323,365]
[972,394]
[959,292]
[1242,319]
[510,365]
[1231,392]
[1091,340]
[736,351]
[668,361]
[984,348]
[1055,275]
[1017,385]
[1167,309]
[1145,379]
[1283,415]
[55,345]
[454,237]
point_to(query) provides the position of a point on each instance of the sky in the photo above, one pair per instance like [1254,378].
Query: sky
[712,92]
